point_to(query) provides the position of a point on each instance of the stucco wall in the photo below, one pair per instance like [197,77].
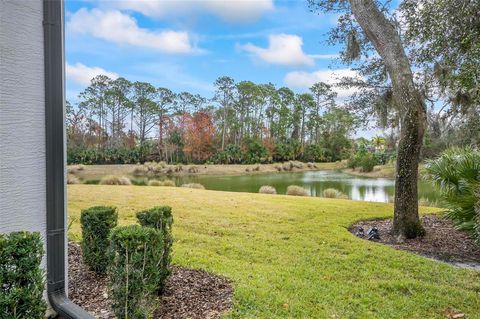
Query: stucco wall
[22,113]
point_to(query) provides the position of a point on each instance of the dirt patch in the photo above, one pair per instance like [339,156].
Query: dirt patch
[442,241]
[189,293]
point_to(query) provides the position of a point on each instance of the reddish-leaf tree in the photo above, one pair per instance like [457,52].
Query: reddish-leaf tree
[198,137]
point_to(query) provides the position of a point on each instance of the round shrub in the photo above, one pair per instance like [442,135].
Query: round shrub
[115,180]
[194,185]
[96,224]
[334,193]
[266,189]
[135,257]
[21,278]
[295,190]
[161,219]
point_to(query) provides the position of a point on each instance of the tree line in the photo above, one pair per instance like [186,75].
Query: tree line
[119,121]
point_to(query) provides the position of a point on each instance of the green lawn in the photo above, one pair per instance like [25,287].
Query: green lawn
[293,257]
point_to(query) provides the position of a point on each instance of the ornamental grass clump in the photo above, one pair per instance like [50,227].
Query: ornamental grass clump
[193,185]
[456,173]
[97,223]
[21,278]
[115,180]
[167,182]
[135,268]
[267,189]
[334,193]
[160,218]
[295,190]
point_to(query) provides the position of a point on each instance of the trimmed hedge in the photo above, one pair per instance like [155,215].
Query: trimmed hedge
[21,278]
[160,218]
[96,224]
[135,255]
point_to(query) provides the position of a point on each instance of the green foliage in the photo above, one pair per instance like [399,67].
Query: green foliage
[286,151]
[363,159]
[21,278]
[161,219]
[457,174]
[314,153]
[477,219]
[232,154]
[97,223]
[255,152]
[135,255]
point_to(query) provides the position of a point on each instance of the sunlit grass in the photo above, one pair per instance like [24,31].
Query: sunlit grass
[293,257]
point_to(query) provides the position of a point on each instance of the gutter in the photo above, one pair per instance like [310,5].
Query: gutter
[53,27]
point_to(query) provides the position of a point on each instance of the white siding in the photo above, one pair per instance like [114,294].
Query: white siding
[22,117]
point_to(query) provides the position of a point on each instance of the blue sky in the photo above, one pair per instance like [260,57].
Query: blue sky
[185,45]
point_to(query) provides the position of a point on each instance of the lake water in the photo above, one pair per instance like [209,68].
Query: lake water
[357,188]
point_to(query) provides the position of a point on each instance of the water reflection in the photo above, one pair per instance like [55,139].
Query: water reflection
[357,188]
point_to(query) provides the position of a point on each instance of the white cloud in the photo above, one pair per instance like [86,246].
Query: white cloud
[324,56]
[284,49]
[228,10]
[121,28]
[82,74]
[305,80]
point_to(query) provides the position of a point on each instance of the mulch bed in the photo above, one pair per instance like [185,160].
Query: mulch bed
[189,293]
[442,241]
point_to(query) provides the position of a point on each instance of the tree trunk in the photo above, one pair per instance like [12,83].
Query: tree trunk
[409,102]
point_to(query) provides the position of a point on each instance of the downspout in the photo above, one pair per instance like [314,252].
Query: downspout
[55,161]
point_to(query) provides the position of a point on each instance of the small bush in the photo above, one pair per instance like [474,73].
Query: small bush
[287,166]
[334,193]
[194,185]
[96,224]
[295,190]
[72,179]
[115,180]
[21,278]
[161,219]
[266,189]
[135,255]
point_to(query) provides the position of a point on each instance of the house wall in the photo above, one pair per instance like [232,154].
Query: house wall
[22,117]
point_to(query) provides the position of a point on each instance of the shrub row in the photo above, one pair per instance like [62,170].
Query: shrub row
[21,278]
[136,258]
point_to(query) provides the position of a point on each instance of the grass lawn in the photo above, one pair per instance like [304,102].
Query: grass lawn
[293,257]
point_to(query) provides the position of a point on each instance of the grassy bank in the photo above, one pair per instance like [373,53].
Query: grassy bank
[292,257]
[97,171]
[379,171]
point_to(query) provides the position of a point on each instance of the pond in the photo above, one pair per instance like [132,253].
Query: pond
[357,188]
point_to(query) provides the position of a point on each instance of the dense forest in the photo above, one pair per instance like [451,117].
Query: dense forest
[117,121]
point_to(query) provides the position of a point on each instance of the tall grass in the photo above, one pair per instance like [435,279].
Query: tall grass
[267,189]
[295,190]
[115,180]
[193,185]
[334,193]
